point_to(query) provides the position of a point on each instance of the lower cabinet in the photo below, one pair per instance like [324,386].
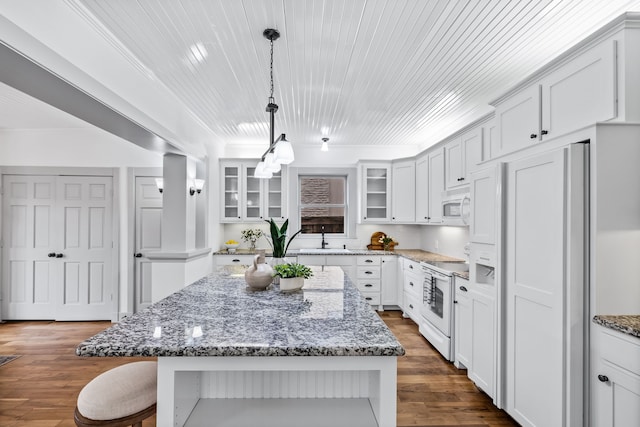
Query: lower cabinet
[391,291]
[475,334]
[615,379]
[412,290]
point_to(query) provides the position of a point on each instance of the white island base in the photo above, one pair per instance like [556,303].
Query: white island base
[277,391]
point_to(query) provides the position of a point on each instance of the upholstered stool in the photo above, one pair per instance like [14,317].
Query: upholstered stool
[122,396]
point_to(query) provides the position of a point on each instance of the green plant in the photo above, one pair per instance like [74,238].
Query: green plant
[252,235]
[292,269]
[279,238]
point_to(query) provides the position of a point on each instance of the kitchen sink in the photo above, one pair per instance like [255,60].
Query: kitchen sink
[324,251]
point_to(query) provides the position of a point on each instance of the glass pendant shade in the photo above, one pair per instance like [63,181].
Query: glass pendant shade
[270,164]
[261,172]
[324,147]
[283,153]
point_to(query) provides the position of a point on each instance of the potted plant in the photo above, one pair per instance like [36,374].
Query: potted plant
[251,235]
[279,242]
[292,275]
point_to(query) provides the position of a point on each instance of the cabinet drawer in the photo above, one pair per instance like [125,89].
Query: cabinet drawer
[413,284]
[234,259]
[341,260]
[372,298]
[368,272]
[369,285]
[368,260]
[411,265]
[620,350]
[412,306]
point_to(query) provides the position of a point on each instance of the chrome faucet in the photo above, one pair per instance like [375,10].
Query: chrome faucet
[324,244]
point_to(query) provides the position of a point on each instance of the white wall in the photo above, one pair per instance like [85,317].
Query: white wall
[449,240]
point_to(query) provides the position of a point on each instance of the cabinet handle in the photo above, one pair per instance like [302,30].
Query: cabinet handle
[429,218]
[411,266]
[533,136]
[368,272]
[138,255]
[455,302]
[369,260]
[59,255]
[235,260]
[410,283]
[603,378]
[544,132]
[460,179]
[463,288]
[411,306]
[368,285]
[51,254]
[368,298]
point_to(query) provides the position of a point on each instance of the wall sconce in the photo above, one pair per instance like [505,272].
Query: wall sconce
[198,185]
[160,184]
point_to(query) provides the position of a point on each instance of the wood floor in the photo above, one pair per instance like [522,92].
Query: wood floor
[40,388]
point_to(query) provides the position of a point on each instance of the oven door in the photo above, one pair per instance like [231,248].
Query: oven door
[436,301]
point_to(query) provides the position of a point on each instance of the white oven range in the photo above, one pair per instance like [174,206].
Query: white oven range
[436,313]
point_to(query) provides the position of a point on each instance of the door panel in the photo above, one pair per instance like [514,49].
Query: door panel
[86,208]
[28,281]
[535,282]
[148,235]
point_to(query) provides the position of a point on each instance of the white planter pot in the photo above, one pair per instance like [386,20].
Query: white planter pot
[291,283]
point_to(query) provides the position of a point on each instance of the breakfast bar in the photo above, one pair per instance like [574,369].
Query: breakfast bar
[315,357]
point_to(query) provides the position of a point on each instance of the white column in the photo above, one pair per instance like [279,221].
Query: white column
[178,209]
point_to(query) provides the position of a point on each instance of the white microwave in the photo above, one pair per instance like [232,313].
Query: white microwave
[456,208]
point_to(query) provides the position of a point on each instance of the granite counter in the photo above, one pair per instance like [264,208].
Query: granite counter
[627,324]
[223,351]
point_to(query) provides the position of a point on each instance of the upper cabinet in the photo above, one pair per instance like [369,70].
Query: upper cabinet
[462,155]
[435,160]
[375,189]
[484,202]
[578,93]
[422,189]
[245,198]
[403,196]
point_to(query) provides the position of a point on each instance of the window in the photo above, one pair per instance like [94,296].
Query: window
[323,204]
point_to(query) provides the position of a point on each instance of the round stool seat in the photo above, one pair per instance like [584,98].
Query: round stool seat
[119,392]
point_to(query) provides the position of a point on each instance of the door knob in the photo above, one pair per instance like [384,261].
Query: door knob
[59,255]
[51,254]
[138,255]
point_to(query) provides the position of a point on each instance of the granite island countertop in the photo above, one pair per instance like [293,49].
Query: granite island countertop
[218,316]
[627,324]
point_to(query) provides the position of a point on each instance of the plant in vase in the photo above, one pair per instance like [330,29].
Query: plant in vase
[292,275]
[251,235]
[279,243]
[386,241]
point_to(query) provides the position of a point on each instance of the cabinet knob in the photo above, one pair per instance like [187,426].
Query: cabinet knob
[544,132]
[429,218]
[455,302]
[603,378]
[463,288]
[138,255]
[411,306]
[51,254]
[393,217]
[410,283]
[59,255]
[533,136]
[460,179]
[411,267]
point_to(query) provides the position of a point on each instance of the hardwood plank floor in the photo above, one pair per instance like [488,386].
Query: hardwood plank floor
[40,388]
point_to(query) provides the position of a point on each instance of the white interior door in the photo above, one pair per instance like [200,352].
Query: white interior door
[148,234]
[57,259]
[28,280]
[84,207]
[535,282]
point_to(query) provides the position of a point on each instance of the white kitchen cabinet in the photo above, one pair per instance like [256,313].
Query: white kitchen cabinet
[390,291]
[422,189]
[436,185]
[232,259]
[249,199]
[412,290]
[375,188]
[463,325]
[485,201]
[483,345]
[346,262]
[578,93]
[490,141]
[462,155]
[403,196]
[615,379]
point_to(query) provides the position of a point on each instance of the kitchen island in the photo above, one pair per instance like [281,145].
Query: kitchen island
[230,356]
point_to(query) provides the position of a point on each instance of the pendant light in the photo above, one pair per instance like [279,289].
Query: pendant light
[280,151]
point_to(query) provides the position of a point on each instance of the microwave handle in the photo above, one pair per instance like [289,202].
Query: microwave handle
[463,216]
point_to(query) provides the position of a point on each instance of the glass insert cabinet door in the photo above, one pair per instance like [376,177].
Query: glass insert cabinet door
[274,196]
[376,193]
[253,194]
[231,192]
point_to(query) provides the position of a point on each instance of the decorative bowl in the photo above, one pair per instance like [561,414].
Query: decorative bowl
[231,248]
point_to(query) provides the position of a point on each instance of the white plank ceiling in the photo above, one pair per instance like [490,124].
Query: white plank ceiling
[363,72]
